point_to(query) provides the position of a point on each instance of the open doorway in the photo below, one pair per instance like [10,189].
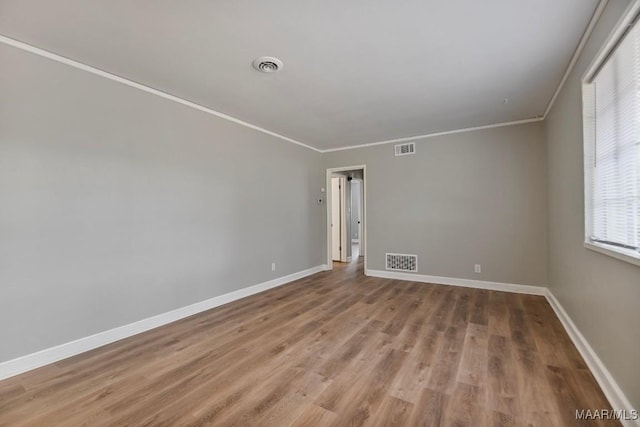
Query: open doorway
[346,213]
[338,218]
[356,217]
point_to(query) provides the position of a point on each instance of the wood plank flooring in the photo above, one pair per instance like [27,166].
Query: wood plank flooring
[336,348]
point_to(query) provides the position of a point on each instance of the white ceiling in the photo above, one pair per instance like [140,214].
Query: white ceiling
[355,72]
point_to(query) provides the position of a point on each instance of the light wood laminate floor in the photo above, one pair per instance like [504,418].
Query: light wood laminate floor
[336,348]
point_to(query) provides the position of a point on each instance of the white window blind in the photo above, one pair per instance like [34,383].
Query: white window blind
[611,102]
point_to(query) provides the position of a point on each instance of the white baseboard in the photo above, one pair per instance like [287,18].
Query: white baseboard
[452,281]
[349,259]
[609,386]
[54,354]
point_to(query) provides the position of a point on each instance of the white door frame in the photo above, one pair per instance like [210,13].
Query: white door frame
[363,189]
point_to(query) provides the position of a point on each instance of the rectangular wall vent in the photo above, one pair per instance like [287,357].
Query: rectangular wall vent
[404,149]
[402,262]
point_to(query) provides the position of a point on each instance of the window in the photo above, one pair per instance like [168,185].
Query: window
[611,118]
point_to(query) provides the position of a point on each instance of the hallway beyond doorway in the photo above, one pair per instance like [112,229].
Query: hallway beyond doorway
[355,252]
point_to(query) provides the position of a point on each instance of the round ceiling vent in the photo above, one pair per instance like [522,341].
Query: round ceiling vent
[267,64]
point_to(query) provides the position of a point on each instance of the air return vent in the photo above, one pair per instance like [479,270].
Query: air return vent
[404,149]
[402,262]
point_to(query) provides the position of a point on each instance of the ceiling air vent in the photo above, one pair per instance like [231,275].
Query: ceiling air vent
[404,149]
[267,64]
[402,262]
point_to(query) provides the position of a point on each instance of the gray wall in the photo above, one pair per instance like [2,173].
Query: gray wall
[469,198]
[117,205]
[600,293]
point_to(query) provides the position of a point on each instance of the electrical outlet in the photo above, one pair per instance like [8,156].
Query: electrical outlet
[478,268]
[273,266]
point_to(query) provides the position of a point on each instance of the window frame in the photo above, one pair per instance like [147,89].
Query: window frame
[630,19]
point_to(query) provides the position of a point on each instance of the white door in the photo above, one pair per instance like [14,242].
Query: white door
[361,217]
[356,210]
[335,219]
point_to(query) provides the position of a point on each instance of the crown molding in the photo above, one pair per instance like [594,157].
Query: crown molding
[576,54]
[96,71]
[93,70]
[431,135]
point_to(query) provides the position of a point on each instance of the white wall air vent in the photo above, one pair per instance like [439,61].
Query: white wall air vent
[402,262]
[404,149]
